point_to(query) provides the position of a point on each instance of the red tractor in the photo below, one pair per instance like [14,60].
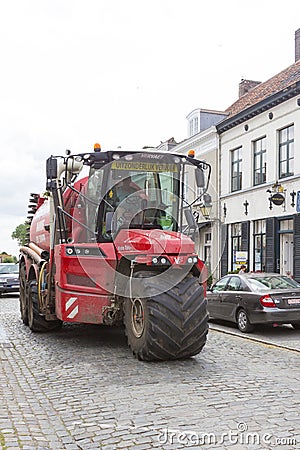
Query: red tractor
[116,247]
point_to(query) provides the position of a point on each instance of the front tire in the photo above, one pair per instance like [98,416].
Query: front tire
[243,322]
[169,325]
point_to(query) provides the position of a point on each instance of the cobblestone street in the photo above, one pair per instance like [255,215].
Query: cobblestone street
[80,388]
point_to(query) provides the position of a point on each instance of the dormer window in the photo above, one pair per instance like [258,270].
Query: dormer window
[202,119]
[194,126]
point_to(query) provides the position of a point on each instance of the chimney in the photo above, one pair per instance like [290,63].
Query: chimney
[246,85]
[297,45]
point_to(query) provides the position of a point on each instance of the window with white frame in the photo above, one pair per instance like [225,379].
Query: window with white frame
[259,245]
[286,152]
[236,243]
[236,169]
[259,161]
[194,126]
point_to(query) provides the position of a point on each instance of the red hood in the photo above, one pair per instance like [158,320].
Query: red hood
[152,242]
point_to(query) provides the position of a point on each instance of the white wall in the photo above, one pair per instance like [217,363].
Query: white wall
[283,115]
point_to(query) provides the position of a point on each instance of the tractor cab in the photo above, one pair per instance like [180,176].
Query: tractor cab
[143,191]
[124,190]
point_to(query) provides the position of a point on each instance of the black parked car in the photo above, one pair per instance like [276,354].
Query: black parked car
[255,298]
[9,278]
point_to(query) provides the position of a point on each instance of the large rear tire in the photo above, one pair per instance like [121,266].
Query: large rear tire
[36,321]
[169,325]
[23,295]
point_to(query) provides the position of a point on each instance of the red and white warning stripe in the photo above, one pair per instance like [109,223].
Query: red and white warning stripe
[72,307]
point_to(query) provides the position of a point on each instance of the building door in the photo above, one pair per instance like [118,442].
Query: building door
[286,243]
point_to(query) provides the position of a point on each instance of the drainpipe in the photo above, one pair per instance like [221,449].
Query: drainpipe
[219,212]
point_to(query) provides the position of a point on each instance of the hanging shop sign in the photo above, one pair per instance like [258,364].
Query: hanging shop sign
[277,199]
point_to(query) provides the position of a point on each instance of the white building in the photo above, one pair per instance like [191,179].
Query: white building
[260,182]
[255,186]
[204,140]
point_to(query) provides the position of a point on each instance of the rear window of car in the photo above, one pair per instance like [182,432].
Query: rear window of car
[272,282]
[257,285]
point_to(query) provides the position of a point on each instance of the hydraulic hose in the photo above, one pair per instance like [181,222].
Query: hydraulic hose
[32,254]
[40,282]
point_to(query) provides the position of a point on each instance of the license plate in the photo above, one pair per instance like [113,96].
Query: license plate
[293,301]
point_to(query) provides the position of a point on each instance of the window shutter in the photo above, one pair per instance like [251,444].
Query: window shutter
[270,244]
[224,250]
[297,248]
[245,237]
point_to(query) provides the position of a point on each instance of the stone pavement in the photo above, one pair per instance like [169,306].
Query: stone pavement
[281,336]
[80,388]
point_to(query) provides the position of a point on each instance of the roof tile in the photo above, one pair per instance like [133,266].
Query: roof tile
[275,84]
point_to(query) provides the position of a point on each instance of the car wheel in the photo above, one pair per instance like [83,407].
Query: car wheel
[296,326]
[243,322]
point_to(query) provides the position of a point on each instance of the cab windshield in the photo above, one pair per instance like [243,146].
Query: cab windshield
[133,199]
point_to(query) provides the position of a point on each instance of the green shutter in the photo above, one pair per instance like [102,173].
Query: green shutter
[270,244]
[224,250]
[297,247]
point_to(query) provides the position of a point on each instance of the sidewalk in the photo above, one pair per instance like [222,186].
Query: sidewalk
[281,336]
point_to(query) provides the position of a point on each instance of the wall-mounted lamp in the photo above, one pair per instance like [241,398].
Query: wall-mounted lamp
[293,195]
[246,204]
[206,206]
[224,210]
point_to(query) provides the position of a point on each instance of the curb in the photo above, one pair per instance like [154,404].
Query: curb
[214,327]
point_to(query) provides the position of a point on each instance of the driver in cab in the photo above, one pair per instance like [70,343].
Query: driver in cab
[125,188]
[128,206]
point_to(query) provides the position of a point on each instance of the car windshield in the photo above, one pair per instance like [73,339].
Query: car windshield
[272,282]
[7,268]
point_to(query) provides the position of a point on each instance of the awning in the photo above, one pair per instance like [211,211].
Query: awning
[204,224]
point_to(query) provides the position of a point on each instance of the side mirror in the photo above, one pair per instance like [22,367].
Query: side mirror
[200,178]
[190,219]
[51,168]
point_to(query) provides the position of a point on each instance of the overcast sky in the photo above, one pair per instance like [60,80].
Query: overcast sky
[123,73]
